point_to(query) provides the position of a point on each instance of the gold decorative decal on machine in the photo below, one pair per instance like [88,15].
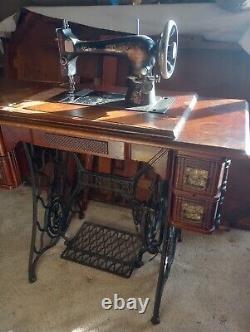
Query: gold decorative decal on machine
[191,211]
[196,177]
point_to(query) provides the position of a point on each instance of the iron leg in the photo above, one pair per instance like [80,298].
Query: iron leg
[160,284]
[170,238]
[180,235]
[32,261]
[56,218]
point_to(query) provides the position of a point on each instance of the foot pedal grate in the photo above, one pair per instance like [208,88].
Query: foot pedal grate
[104,248]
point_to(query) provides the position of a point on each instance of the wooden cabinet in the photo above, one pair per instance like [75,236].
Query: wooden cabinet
[98,147]
[199,187]
[9,171]
[198,180]
[198,175]
[195,213]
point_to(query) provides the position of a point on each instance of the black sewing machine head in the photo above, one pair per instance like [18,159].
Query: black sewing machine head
[143,54]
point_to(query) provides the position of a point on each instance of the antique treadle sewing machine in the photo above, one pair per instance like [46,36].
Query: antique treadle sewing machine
[183,146]
[142,52]
[102,247]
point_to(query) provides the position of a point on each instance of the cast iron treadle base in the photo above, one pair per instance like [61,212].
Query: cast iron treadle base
[104,248]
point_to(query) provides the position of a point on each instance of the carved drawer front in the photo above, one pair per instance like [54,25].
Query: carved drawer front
[198,214]
[197,175]
[80,145]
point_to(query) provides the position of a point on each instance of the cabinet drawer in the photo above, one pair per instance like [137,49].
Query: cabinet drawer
[104,148]
[198,175]
[197,214]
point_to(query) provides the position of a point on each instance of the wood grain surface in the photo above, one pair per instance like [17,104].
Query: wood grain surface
[219,125]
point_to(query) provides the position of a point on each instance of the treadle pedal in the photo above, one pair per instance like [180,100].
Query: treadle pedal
[104,248]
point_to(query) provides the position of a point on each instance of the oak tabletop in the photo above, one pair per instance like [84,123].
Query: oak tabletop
[216,124]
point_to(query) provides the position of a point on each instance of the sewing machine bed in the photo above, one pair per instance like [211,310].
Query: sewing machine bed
[90,97]
[106,109]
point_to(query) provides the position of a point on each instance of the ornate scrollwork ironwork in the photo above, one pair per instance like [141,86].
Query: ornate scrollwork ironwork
[54,217]
[149,216]
[51,191]
[152,228]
